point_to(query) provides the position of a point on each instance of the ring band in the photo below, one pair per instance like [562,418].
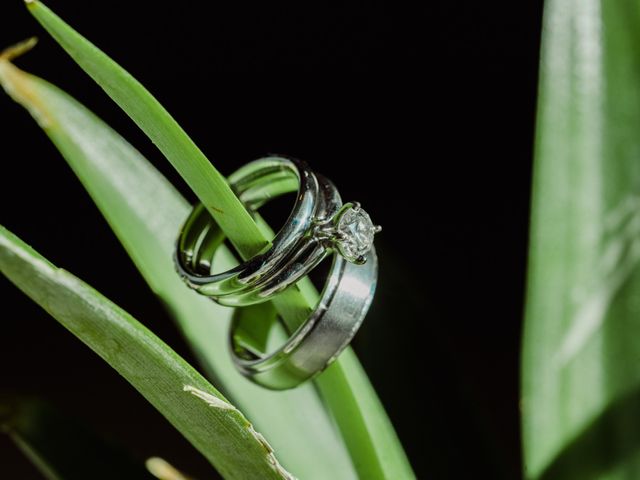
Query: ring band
[325,333]
[248,283]
[318,225]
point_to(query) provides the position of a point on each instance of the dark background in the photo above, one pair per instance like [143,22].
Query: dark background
[368,93]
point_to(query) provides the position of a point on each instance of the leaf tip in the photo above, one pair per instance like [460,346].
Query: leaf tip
[163,470]
[14,51]
[30,3]
[21,86]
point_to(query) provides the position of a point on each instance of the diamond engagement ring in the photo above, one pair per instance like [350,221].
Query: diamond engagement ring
[319,225]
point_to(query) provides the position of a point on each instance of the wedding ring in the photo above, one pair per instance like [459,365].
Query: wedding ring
[319,224]
[326,332]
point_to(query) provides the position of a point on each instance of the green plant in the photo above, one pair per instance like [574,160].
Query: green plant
[145,212]
[580,359]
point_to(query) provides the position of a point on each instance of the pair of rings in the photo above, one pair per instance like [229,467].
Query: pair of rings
[319,225]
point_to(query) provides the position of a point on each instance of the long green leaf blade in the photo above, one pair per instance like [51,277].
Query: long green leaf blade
[60,447]
[145,212]
[581,374]
[371,428]
[163,130]
[212,425]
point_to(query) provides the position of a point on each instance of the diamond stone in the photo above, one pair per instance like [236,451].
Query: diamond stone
[356,232]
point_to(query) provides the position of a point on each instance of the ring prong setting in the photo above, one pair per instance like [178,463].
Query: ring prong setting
[350,232]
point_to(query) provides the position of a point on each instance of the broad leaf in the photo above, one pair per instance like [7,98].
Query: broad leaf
[146,212]
[581,363]
[212,425]
[370,437]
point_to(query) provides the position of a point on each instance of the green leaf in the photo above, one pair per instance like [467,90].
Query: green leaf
[581,370]
[146,212]
[212,425]
[370,437]
[163,130]
[60,446]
